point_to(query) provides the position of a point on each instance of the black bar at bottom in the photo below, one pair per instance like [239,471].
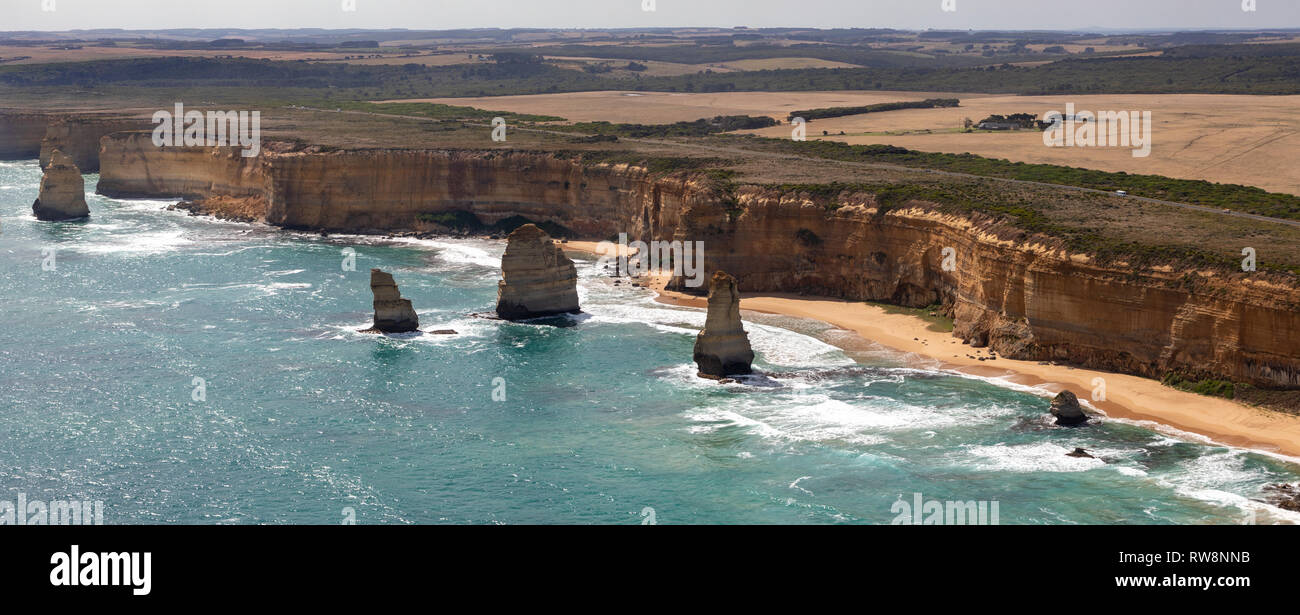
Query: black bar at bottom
[324,564]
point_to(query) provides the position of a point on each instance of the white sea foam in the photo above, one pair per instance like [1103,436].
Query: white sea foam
[1173,435]
[266,289]
[466,328]
[773,345]
[150,205]
[817,417]
[1217,469]
[1037,457]
[478,252]
[137,243]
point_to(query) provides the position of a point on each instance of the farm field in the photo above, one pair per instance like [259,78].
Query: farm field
[1252,140]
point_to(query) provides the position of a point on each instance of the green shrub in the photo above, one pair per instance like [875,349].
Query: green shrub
[1208,387]
[825,112]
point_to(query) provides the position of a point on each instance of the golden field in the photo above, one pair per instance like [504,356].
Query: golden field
[1252,140]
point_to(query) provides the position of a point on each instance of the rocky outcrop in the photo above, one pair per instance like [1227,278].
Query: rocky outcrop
[1021,298]
[63,192]
[722,348]
[79,138]
[1284,496]
[393,314]
[537,279]
[1066,409]
[1080,453]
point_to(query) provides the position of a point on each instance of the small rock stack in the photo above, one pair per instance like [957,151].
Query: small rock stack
[1068,412]
[63,192]
[722,348]
[393,314]
[537,279]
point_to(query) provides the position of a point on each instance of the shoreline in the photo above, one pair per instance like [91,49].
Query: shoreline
[1128,397]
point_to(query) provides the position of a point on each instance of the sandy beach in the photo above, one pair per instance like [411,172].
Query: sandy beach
[1127,397]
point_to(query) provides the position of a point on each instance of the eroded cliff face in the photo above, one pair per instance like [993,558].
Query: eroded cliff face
[385,190]
[131,166]
[1025,299]
[79,138]
[21,134]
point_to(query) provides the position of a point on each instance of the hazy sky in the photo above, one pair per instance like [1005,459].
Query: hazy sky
[443,14]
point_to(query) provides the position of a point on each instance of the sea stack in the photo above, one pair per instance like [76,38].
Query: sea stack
[393,314]
[722,348]
[63,192]
[1066,409]
[537,278]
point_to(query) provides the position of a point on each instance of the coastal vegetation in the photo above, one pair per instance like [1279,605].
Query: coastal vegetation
[698,128]
[817,114]
[1034,217]
[1213,388]
[932,314]
[1246,199]
[437,111]
[1222,69]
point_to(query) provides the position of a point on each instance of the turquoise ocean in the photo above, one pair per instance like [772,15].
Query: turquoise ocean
[108,325]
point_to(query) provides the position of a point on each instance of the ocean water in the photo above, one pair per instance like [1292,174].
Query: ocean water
[108,322]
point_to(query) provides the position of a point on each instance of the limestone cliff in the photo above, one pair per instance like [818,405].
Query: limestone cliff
[21,134]
[63,192]
[131,166]
[1025,297]
[393,314]
[722,348]
[537,279]
[79,138]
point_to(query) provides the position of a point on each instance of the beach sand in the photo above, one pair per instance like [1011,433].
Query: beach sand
[1127,397]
